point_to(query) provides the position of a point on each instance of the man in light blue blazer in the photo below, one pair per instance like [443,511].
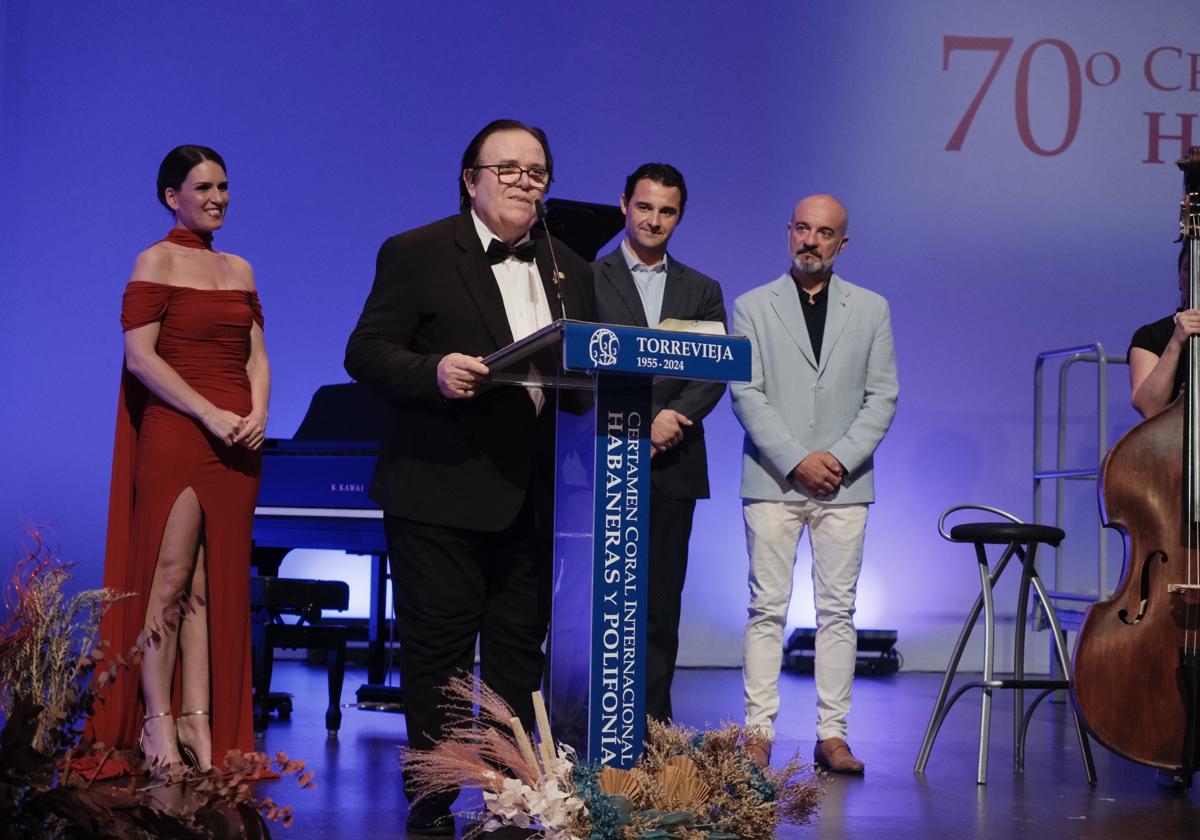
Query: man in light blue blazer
[821,396]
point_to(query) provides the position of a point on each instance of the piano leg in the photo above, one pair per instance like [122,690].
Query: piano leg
[373,694]
[336,665]
[261,656]
[376,637]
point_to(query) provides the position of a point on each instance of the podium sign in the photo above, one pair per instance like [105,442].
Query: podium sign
[603,376]
[605,348]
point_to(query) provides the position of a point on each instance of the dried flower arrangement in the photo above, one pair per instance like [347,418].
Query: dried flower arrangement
[52,672]
[688,784]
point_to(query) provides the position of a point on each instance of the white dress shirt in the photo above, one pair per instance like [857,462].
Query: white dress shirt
[524,297]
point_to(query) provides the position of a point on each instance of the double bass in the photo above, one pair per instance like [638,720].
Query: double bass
[1136,671]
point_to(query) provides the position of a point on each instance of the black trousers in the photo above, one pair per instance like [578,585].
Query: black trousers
[670,531]
[452,586]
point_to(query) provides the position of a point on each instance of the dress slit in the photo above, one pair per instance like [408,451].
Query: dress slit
[162,532]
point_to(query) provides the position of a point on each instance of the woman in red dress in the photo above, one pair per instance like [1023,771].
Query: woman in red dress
[186,465]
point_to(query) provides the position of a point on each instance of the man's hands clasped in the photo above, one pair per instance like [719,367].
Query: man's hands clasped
[819,474]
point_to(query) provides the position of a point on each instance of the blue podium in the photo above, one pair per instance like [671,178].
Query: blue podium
[601,376]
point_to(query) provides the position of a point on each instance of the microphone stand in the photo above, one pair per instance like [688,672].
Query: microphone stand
[556,275]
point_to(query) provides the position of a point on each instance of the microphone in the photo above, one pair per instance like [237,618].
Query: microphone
[556,275]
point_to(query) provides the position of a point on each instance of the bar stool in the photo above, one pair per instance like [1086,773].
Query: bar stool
[1020,540]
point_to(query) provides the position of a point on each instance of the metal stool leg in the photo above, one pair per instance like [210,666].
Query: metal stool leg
[941,706]
[1064,661]
[1026,556]
[989,632]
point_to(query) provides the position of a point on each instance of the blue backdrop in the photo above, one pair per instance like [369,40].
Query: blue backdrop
[343,124]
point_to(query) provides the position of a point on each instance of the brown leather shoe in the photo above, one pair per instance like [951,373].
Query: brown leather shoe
[833,754]
[759,751]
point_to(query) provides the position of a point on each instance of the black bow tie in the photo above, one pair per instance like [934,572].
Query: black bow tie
[498,252]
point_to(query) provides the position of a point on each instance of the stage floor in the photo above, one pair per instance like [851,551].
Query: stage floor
[358,775]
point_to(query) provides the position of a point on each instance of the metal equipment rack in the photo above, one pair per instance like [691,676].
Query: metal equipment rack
[1071,612]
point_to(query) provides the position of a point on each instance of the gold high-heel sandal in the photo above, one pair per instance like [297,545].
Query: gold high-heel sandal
[186,750]
[155,765]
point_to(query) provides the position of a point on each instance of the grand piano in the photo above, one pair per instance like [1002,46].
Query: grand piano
[314,485]
[314,495]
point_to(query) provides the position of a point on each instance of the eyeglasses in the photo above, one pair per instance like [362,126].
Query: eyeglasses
[510,174]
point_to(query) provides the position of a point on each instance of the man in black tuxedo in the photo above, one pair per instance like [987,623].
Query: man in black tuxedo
[465,470]
[640,284]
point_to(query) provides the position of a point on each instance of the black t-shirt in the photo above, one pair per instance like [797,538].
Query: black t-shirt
[814,315]
[1155,337]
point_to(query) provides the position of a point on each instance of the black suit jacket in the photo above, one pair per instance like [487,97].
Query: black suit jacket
[680,472]
[455,463]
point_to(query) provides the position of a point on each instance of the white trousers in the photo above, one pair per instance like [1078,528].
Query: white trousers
[773,531]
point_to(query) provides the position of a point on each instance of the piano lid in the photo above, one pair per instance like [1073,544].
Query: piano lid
[345,412]
[584,226]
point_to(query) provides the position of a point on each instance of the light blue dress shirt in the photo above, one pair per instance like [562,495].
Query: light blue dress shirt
[650,281]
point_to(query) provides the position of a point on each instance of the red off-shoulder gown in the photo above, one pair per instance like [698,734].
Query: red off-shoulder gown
[158,453]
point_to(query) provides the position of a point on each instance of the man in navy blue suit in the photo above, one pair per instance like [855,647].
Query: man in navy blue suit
[640,284]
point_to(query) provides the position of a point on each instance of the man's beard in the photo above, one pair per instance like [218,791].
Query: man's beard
[807,267]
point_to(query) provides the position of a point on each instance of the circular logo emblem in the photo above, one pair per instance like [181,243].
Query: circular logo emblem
[603,347]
